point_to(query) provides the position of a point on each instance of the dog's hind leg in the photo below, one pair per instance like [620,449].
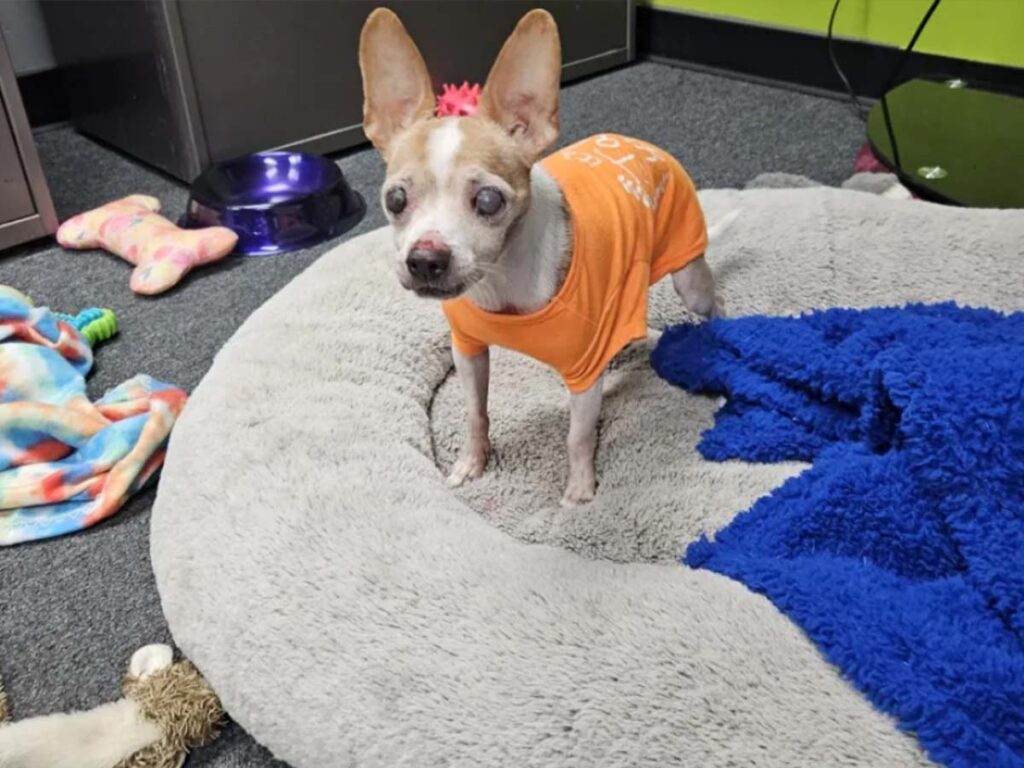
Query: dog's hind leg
[696,287]
[695,284]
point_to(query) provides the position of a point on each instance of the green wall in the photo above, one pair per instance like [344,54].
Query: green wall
[991,31]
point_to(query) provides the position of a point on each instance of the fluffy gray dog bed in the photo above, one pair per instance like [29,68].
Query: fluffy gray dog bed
[351,610]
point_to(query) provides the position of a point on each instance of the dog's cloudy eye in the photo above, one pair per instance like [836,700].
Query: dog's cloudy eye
[395,200]
[488,201]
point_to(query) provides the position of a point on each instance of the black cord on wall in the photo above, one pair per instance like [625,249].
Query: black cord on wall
[897,70]
[857,106]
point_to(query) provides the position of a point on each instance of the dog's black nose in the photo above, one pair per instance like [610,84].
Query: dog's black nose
[428,264]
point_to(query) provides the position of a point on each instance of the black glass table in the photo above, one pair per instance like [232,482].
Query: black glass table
[953,141]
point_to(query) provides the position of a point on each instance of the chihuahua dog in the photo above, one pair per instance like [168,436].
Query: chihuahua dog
[553,257]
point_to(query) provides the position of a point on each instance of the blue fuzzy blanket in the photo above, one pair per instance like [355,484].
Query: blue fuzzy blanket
[900,552]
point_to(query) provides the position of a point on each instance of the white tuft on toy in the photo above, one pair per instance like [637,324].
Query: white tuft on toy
[150,659]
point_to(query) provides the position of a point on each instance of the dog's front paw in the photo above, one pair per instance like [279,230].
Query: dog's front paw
[580,489]
[470,464]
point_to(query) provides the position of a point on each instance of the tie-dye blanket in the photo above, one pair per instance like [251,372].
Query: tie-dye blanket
[67,463]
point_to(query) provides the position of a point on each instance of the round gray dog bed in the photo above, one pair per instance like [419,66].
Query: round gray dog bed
[351,610]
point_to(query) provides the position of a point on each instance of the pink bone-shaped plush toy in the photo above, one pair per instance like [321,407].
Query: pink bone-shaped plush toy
[161,252]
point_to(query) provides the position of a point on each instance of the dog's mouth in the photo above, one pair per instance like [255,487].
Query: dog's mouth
[428,291]
[448,287]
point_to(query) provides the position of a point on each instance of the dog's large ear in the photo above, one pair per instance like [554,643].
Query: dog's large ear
[521,93]
[396,84]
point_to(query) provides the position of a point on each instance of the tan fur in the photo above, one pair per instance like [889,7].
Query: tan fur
[184,708]
[486,145]
[409,150]
[396,83]
[521,92]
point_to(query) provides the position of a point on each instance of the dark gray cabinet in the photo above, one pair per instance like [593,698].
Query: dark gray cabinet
[15,197]
[182,83]
[26,210]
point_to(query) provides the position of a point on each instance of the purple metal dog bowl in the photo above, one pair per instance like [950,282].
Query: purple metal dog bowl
[274,201]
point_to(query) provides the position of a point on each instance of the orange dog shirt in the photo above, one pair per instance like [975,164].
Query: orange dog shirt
[635,218]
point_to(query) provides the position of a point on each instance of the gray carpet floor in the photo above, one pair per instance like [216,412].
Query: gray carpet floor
[73,610]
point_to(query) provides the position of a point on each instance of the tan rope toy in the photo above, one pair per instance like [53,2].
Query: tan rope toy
[168,709]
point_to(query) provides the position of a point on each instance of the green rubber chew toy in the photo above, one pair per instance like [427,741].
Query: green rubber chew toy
[96,325]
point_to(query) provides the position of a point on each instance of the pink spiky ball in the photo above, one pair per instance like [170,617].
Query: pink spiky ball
[458,101]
